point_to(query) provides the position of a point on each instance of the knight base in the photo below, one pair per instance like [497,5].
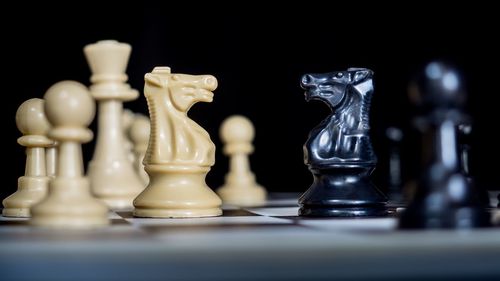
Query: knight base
[343,192]
[177,192]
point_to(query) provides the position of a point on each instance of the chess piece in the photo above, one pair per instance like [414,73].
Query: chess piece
[338,151]
[127,118]
[464,134]
[395,181]
[496,217]
[69,203]
[240,188]
[51,159]
[112,175]
[32,187]
[180,152]
[139,134]
[444,198]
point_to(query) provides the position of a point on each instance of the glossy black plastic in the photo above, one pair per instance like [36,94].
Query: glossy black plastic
[464,135]
[338,151]
[445,197]
[395,180]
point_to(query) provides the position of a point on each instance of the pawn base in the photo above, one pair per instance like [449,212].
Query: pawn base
[244,196]
[69,205]
[30,191]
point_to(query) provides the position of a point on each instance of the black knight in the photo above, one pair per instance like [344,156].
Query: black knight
[338,151]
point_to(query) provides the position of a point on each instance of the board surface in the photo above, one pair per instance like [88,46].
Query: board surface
[268,242]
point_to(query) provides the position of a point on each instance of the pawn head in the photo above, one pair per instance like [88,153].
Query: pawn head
[69,104]
[438,86]
[237,129]
[31,119]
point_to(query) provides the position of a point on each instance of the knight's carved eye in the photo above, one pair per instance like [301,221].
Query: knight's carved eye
[175,77]
[339,75]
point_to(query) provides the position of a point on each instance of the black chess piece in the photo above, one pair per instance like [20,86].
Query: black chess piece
[444,198]
[464,135]
[338,151]
[395,179]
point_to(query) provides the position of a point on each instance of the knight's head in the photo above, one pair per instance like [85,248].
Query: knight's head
[331,87]
[183,90]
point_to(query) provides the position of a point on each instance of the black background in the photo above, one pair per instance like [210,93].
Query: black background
[258,54]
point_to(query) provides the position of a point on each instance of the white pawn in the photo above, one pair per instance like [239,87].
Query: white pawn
[240,188]
[139,133]
[32,187]
[51,159]
[111,173]
[127,118]
[69,203]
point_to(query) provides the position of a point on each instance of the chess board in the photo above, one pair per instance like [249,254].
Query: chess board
[260,243]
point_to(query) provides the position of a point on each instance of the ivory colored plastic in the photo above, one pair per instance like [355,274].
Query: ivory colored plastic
[51,160]
[111,173]
[139,134]
[32,187]
[127,118]
[69,203]
[180,152]
[240,188]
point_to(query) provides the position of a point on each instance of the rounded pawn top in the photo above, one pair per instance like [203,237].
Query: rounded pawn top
[31,119]
[69,104]
[140,129]
[439,85]
[237,129]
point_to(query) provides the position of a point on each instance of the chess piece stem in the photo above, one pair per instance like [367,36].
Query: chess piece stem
[51,160]
[139,133]
[395,180]
[32,187]
[127,118]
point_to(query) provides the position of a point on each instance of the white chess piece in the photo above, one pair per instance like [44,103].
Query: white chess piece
[112,175]
[496,217]
[69,203]
[240,188]
[32,187]
[180,152]
[139,134]
[127,118]
[51,159]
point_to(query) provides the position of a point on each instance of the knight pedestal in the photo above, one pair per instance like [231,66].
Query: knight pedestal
[338,152]
[342,192]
